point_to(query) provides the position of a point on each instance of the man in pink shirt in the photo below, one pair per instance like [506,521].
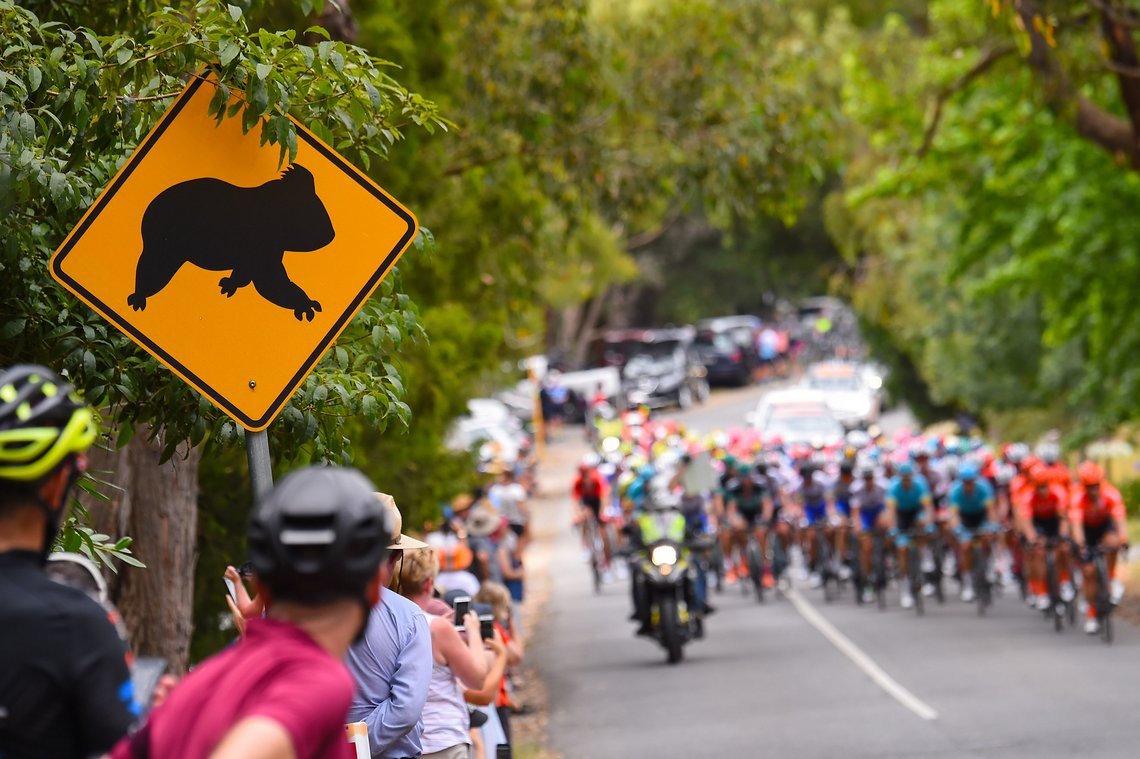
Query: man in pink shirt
[316,544]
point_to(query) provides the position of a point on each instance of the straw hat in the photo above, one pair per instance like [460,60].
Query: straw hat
[483,521]
[401,542]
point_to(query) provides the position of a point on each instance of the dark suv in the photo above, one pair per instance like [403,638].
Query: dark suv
[727,348]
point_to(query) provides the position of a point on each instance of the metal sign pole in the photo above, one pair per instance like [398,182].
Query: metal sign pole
[260,467]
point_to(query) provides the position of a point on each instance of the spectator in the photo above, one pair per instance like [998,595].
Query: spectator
[65,690]
[510,562]
[454,661]
[455,558]
[484,526]
[498,598]
[509,497]
[392,662]
[317,541]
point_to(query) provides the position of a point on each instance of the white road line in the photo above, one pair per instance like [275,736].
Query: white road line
[860,659]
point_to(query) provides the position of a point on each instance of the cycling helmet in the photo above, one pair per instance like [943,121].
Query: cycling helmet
[1090,474]
[905,469]
[320,536]
[867,471]
[744,470]
[1015,453]
[847,466]
[1050,453]
[969,471]
[647,472]
[590,461]
[42,423]
[1041,475]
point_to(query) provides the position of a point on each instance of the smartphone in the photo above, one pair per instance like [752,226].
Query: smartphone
[230,588]
[486,626]
[462,606]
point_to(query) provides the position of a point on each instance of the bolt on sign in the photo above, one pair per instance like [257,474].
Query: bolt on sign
[235,272]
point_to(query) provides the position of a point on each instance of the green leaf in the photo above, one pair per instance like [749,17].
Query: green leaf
[35,76]
[230,50]
[57,186]
[319,31]
[263,71]
[235,12]
[13,327]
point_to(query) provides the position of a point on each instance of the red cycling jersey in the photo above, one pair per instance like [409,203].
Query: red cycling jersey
[1109,505]
[1034,504]
[589,485]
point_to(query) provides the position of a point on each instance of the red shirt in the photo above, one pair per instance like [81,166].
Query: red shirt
[277,672]
[1083,510]
[1052,503]
[589,486]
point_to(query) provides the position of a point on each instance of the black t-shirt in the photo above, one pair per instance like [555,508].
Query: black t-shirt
[65,690]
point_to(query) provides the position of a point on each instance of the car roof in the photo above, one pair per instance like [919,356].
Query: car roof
[720,323]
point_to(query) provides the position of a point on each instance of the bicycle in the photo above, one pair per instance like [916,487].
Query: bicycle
[914,569]
[981,557]
[1103,604]
[879,568]
[597,551]
[1058,609]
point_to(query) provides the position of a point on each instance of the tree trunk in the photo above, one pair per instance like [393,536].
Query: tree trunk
[157,505]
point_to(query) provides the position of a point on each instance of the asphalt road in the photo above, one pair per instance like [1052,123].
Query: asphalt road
[800,678]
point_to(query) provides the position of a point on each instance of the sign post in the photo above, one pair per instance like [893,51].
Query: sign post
[235,272]
[260,464]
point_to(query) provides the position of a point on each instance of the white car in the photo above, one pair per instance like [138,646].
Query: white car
[797,416]
[494,440]
[845,390]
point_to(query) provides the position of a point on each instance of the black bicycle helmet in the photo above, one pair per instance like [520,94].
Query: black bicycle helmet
[319,536]
[42,422]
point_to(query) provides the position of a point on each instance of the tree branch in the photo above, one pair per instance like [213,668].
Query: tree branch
[988,59]
[647,238]
[1122,52]
[1092,122]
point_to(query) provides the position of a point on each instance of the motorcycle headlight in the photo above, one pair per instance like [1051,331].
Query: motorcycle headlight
[664,556]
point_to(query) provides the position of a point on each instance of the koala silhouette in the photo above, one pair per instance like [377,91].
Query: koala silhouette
[244,230]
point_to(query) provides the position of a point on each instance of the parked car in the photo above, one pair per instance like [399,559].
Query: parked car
[727,348]
[492,440]
[797,416]
[664,372]
[853,402]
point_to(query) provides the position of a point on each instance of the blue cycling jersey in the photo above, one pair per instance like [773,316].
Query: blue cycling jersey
[973,502]
[908,499]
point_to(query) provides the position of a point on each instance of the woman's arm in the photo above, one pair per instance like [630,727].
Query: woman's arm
[465,658]
[485,696]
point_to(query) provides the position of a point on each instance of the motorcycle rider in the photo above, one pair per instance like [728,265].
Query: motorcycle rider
[659,519]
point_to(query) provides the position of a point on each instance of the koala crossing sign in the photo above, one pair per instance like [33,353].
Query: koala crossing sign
[235,272]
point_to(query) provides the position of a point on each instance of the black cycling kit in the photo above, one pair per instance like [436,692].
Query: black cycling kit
[65,689]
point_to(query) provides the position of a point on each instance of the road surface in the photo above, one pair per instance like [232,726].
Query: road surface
[799,678]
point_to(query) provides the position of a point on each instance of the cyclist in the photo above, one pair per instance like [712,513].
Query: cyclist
[812,497]
[749,504]
[317,542]
[65,689]
[840,498]
[911,508]
[1096,514]
[869,514]
[1042,515]
[589,490]
[972,508]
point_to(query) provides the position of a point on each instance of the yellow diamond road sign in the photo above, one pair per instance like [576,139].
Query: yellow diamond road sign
[236,273]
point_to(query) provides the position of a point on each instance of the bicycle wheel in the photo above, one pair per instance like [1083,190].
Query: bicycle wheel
[596,555]
[1052,587]
[717,560]
[879,572]
[756,568]
[1103,600]
[914,569]
[979,560]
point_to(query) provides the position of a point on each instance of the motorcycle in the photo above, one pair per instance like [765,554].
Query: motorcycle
[665,570]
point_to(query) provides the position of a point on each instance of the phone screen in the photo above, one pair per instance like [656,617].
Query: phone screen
[462,606]
[486,627]
[230,588]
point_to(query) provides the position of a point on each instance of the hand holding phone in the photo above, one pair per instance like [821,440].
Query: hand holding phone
[462,606]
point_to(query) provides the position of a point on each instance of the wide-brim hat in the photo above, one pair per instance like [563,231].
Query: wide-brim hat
[401,542]
[483,521]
